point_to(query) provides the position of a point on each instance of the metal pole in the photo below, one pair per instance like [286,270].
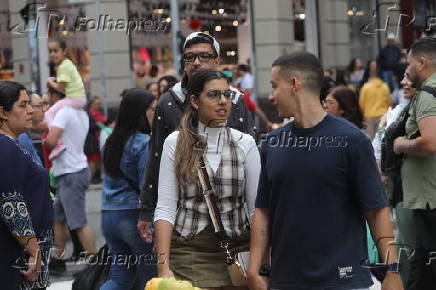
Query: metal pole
[175,20]
[253,63]
[100,42]
[42,50]
[311,27]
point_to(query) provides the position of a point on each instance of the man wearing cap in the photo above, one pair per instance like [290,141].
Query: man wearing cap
[201,52]
[388,59]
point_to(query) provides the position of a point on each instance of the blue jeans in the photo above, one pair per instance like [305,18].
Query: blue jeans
[388,77]
[132,257]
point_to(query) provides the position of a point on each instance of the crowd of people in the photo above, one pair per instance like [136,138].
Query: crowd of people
[184,181]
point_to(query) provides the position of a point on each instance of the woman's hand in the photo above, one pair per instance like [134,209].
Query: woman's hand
[33,264]
[144,229]
[165,272]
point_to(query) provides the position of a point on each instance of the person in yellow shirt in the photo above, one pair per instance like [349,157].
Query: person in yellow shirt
[68,81]
[374,100]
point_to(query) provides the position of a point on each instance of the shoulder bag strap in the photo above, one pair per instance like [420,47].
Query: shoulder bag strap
[430,90]
[211,202]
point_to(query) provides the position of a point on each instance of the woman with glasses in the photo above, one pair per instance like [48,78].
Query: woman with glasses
[185,238]
[343,102]
[26,212]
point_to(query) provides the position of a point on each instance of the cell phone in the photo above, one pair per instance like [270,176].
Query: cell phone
[20,263]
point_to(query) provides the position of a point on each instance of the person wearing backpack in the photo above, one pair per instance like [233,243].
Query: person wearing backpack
[418,170]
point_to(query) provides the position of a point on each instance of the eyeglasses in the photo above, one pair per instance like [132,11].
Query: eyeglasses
[328,102]
[39,106]
[215,95]
[203,56]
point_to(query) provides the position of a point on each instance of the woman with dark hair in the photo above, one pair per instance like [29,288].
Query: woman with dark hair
[184,234]
[343,79]
[343,102]
[165,83]
[355,69]
[125,157]
[26,211]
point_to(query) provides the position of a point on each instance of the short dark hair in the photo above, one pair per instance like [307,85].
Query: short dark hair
[304,65]
[243,67]
[9,94]
[148,86]
[425,47]
[52,91]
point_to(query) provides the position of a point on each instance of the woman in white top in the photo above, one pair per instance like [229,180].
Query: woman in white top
[186,245]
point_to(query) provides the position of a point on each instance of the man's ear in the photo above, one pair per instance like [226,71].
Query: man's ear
[217,60]
[295,83]
[422,63]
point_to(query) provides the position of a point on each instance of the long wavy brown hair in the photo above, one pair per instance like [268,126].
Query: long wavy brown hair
[191,145]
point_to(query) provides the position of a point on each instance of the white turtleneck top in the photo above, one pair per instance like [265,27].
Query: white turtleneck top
[168,191]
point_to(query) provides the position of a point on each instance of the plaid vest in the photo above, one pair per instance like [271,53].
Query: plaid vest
[229,185]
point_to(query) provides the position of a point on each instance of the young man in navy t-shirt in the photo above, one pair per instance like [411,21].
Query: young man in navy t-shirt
[318,185]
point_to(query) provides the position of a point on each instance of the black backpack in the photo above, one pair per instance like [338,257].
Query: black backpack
[92,144]
[391,162]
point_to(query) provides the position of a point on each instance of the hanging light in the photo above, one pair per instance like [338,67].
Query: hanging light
[218,28]
[214,12]
[221,11]
[235,23]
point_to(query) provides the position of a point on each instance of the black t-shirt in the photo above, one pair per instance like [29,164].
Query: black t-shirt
[317,184]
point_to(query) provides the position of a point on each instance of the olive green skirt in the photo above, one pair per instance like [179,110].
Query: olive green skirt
[201,261]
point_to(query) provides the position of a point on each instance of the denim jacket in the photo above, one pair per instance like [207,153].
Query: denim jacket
[118,193]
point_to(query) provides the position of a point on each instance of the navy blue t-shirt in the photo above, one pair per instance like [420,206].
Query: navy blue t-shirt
[317,184]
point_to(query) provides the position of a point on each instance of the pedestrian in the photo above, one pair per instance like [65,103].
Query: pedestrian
[356,71]
[25,139]
[343,102]
[70,126]
[374,99]
[26,211]
[246,81]
[392,181]
[92,145]
[388,59]
[185,237]
[125,156]
[418,171]
[153,88]
[67,81]
[318,185]
[200,52]
[165,83]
